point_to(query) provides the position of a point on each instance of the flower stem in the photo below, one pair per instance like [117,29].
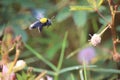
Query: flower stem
[104,30]
[72,76]
[62,52]
[15,60]
[85,71]
[75,68]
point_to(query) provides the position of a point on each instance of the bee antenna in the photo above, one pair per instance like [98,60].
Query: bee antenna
[53,17]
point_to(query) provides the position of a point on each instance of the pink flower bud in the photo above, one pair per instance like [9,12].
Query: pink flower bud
[95,39]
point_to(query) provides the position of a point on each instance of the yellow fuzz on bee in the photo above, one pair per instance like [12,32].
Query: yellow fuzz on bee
[43,20]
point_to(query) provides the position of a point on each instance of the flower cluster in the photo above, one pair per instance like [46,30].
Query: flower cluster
[10,75]
[7,44]
[95,39]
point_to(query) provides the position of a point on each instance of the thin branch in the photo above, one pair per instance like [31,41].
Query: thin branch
[113,31]
[101,15]
[108,26]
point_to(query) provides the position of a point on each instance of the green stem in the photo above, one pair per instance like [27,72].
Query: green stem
[85,72]
[75,68]
[72,76]
[40,57]
[41,70]
[104,30]
[62,52]
[56,76]
[104,70]
[61,56]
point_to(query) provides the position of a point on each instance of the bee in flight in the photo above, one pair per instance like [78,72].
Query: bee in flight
[41,22]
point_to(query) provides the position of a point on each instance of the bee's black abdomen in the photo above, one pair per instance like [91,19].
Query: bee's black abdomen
[35,25]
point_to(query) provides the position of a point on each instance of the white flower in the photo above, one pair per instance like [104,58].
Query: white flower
[95,39]
[19,65]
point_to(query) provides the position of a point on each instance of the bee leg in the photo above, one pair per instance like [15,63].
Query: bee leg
[40,29]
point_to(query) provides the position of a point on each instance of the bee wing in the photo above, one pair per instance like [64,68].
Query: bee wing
[38,13]
[34,25]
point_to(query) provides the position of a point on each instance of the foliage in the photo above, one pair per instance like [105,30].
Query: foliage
[56,49]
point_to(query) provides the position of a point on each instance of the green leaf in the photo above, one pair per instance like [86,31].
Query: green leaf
[107,70]
[63,14]
[26,3]
[6,2]
[24,75]
[53,50]
[19,77]
[31,60]
[95,25]
[80,18]
[104,22]
[86,8]
[95,3]
[1,29]
[92,3]
[100,2]
[83,36]
[40,56]
[19,31]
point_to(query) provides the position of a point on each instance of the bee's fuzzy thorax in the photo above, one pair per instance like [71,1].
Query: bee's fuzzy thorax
[43,20]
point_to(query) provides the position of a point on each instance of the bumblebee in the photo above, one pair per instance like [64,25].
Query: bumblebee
[40,23]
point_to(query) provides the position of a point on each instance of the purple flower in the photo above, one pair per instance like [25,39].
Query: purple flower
[86,55]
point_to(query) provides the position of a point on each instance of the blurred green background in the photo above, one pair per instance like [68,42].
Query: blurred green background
[78,24]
